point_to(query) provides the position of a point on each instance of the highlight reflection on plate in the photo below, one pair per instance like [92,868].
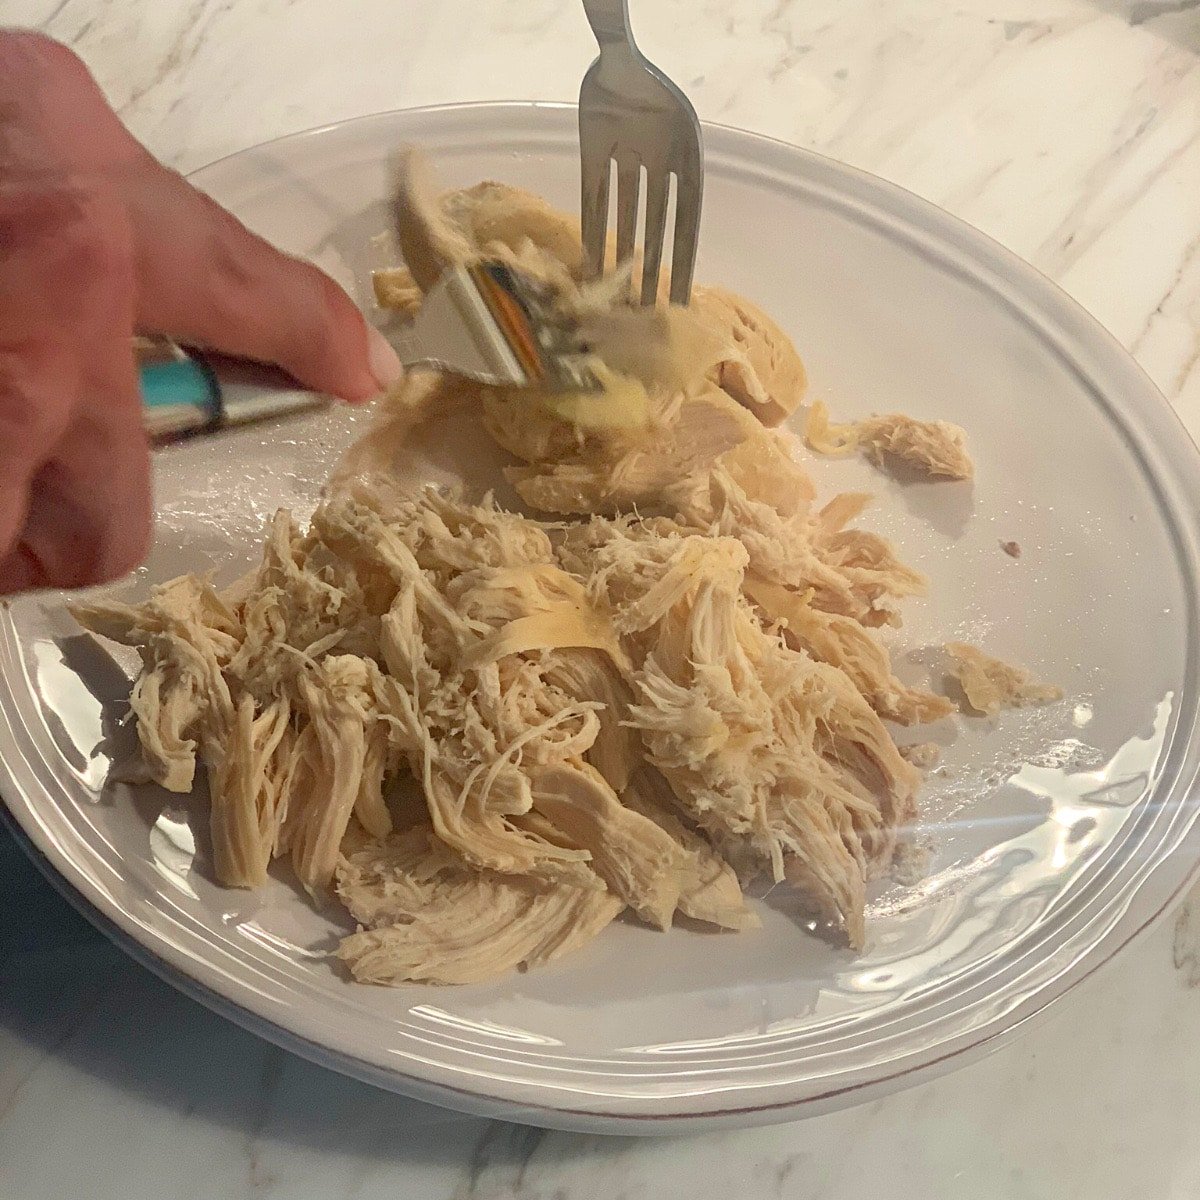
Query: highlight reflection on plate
[1054,835]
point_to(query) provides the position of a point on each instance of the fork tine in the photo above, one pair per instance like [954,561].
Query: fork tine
[594,172]
[629,182]
[687,236]
[657,186]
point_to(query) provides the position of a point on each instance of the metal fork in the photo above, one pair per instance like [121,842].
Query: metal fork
[631,113]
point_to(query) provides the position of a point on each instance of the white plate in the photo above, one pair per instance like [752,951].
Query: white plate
[1057,834]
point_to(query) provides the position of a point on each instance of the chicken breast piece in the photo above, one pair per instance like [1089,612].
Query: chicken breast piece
[759,366]
[708,887]
[687,434]
[426,917]
[638,860]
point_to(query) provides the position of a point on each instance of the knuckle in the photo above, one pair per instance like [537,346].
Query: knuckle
[331,327]
[54,53]
[128,534]
[133,550]
[70,567]
[74,239]
[306,322]
[40,77]
[25,51]
[262,302]
[91,244]
[126,520]
[231,273]
[234,257]
[232,262]
[97,546]
[33,218]
[89,504]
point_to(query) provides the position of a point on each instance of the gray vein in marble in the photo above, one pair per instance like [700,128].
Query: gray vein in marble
[180,52]
[1073,231]
[783,1170]
[977,186]
[1191,256]
[1014,29]
[1148,10]
[1167,19]
[534,17]
[55,11]
[502,1150]
[271,1071]
[1187,369]
[777,24]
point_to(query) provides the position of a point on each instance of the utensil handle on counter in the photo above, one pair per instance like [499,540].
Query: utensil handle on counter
[184,394]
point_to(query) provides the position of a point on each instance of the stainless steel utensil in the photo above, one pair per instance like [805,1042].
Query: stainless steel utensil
[484,321]
[630,113]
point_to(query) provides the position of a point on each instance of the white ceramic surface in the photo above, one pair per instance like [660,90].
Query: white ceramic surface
[1053,832]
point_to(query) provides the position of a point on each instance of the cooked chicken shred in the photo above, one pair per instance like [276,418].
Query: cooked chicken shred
[935,448]
[668,685]
[990,684]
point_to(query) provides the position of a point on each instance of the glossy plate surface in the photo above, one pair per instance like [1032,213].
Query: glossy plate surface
[1055,835]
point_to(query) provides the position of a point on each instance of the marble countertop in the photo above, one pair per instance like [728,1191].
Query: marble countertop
[1068,130]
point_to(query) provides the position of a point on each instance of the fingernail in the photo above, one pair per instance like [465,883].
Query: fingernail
[382,359]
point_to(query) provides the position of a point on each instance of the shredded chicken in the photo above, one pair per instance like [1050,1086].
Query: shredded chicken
[989,684]
[424,916]
[935,448]
[673,685]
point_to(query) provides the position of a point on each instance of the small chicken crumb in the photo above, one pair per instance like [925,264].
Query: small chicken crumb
[922,755]
[1012,549]
[395,289]
[989,684]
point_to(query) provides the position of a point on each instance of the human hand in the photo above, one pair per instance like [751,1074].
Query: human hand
[98,241]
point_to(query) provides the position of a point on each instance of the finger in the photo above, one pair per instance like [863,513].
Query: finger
[84,516]
[57,122]
[34,412]
[20,572]
[89,512]
[52,259]
[205,279]
[74,489]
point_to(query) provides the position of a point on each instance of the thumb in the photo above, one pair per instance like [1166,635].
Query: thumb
[204,279]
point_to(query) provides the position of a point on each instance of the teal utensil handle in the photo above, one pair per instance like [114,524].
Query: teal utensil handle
[179,396]
[188,393]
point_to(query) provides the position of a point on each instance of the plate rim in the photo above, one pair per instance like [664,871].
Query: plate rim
[1156,419]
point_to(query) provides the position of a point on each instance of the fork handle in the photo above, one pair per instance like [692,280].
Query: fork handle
[609,20]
